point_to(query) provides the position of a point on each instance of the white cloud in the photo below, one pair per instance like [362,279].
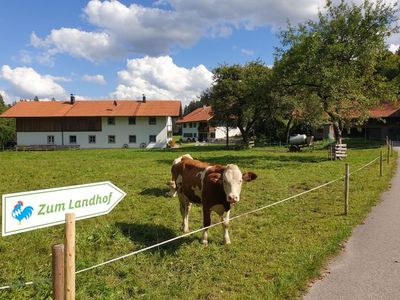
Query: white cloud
[247,51]
[27,83]
[161,78]
[7,97]
[89,45]
[393,48]
[99,79]
[25,57]
[122,29]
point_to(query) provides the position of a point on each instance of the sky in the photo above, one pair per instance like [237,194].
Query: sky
[165,49]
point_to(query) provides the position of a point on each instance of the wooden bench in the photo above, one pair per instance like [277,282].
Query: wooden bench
[337,151]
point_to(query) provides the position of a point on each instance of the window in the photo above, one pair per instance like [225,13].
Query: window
[111,121]
[190,125]
[72,139]
[184,125]
[152,139]
[194,124]
[50,139]
[195,134]
[111,139]
[187,134]
[152,121]
[92,139]
[132,139]
[132,121]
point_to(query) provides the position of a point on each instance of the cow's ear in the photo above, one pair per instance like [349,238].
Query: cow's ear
[215,177]
[249,176]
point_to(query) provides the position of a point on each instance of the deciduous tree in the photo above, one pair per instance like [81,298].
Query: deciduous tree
[7,126]
[336,57]
[240,95]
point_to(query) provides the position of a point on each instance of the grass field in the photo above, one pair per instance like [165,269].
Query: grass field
[274,253]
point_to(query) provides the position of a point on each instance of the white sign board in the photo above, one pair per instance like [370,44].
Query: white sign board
[43,208]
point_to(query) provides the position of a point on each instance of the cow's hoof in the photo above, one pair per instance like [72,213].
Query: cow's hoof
[186,230]
[227,242]
[204,242]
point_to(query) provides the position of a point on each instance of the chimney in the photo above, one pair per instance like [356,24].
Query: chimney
[144,98]
[115,103]
[72,99]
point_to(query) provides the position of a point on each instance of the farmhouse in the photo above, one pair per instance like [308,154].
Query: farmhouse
[95,124]
[196,126]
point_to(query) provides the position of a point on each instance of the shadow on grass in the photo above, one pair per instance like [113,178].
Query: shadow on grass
[156,192]
[150,234]
[254,160]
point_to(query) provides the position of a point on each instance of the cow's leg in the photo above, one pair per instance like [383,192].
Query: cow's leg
[172,186]
[206,222]
[188,206]
[225,225]
[185,209]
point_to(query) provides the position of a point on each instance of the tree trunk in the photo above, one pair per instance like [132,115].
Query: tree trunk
[288,129]
[227,136]
[243,133]
[338,132]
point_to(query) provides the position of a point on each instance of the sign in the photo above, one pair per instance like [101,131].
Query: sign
[43,208]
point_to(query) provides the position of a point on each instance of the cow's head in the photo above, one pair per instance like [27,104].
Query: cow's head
[232,178]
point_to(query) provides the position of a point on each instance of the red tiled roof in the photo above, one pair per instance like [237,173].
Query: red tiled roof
[94,108]
[384,111]
[203,113]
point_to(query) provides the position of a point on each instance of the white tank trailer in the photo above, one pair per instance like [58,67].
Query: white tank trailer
[299,140]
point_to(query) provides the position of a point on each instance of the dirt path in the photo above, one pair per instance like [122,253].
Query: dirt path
[369,267]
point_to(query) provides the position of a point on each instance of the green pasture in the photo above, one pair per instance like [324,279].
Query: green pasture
[274,254]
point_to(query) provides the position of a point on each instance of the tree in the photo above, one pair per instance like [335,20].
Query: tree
[239,95]
[36,98]
[7,126]
[335,59]
[390,69]
[192,106]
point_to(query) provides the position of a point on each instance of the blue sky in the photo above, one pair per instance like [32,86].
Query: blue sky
[165,49]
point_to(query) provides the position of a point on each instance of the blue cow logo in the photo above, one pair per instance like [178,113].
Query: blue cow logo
[19,213]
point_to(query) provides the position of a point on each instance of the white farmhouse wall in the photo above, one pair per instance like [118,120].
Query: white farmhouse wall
[220,132]
[37,138]
[122,130]
[193,131]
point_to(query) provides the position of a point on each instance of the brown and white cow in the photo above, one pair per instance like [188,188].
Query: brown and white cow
[215,187]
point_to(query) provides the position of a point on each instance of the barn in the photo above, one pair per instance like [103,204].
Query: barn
[94,123]
[384,122]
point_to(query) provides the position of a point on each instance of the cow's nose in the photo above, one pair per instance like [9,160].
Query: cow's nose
[233,198]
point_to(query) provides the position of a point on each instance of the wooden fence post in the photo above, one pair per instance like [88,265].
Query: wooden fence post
[391,148]
[381,164]
[69,256]
[58,271]
[346,189]
[388,152]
